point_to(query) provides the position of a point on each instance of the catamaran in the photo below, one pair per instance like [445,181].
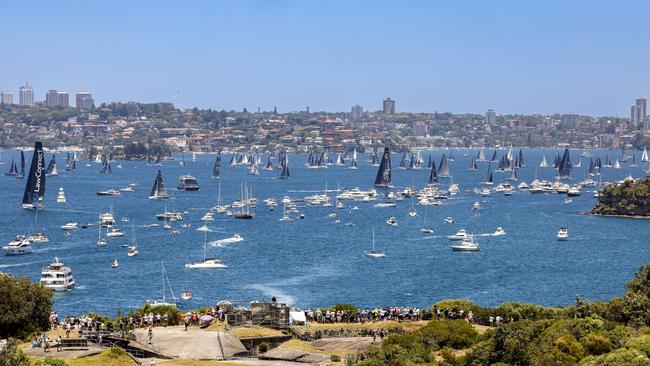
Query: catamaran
[34,195]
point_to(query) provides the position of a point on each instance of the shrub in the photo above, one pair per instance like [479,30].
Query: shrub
[345,307]
[452,333]
[116,352]
[596,344]
[641,343]
[263,347]
[173,313]
[619,357]
[50,361]
[335,358]
[10,355]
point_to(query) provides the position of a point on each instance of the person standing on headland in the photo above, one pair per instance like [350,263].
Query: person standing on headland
[150,335]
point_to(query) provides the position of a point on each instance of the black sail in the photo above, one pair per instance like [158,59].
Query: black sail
[22,164]
[443,169]
[564,169]
[34,195]
[433,176]
[216,170]
[285,167]
[384,174]
[158,190]
[51,165]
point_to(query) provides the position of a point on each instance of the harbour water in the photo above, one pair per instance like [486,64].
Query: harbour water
[314,261]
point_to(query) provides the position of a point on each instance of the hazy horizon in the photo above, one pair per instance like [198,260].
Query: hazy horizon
[587,57]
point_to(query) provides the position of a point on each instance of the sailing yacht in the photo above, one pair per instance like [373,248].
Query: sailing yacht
[245,209]
[101,242]
[51,170]
[13,170]
[133,250]
[207,263]
[353,161]
[165,281]
[425,229]
[544,163]
[34,195]
[374,253]
[38,236]
[644,156]
[186,295]
[158,190]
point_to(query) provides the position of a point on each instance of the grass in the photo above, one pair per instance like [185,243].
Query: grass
[102,359]
[197,362]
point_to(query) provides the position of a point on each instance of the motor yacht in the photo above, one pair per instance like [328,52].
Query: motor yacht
[448,220]
[109,192]
[38,238]
[467,245]
[460,235]
[563,234]
[115,233]
[69,226]
[236,238]
[499,232]
[208,263]
[18,246]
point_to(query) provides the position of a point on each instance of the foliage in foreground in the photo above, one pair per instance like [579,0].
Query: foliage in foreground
[10,355]
[25,307]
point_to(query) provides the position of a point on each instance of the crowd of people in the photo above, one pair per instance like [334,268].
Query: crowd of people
[367,315]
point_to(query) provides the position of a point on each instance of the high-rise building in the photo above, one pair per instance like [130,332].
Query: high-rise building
[491,117]
[51,98]
[638,114]
[84,100]
[26,95]
[357,110]
[389,106]
[7,97]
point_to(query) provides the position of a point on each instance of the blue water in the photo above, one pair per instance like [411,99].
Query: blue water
[315,262]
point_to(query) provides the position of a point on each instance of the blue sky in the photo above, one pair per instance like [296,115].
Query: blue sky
[590,57]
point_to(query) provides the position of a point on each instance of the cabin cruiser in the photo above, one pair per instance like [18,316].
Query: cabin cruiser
[523,186]
[503,187]
[568,200]
[448,220]
[187,183]
[499,232]
[392,221]
[169,216]
[467,245]
[57,277]
[69,226]
[454,189]
[460,235]
[209,216]
[115,233]
[126,189]
[109,192]
[426,230]
[18,246]
[385,204]
[208,263]
[38,238]
[563,234]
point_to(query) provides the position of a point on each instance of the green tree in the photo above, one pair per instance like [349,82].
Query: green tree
[10,355]
[619,357]
[25,307]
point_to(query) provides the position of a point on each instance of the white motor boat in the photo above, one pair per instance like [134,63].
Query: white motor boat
[109,192]
[448,220]
[133,251]
[208,263]
[476,206]
[57,276]
[115,233]
[568,200]
[233,239]
[467,245]
[115,264]
[38,238]
[209,216]
[563,234]
[153,225]
[18,246]
[126,189]
[70,226]
[413,213]
[392,221]
[385,204]
[574,192]
[460,235]
[186,295]
[499,232]
[426,230]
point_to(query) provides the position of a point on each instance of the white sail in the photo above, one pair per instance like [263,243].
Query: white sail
[644,156]
[544,163]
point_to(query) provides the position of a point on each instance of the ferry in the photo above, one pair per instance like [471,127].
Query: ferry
[187,183]
[57,276]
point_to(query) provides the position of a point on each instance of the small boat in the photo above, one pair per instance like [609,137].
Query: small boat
[69,226]
[568,200]
[115,264]
[499,232]
[115,233]
[460,235]
[563,234]
[448,220]
[124,219]
[426,230]
[374,253]
[86,225]
[476,206]
[57,277]
[467,245]
[186,295]
[153,225]
[133,251]
[207,263]
[392,221]
[61,196]
[413,213]
[109,192]
[233,239]
[126,189]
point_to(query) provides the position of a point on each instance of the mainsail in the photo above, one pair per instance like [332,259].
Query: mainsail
[285,167]
[216,170]
[488,176]
[158,191]
[472,165]
[544,163]
[353,162]
[13,170]
[443,170]
[644,156]
[22,165]
[564,168]
[433,176]
[34,195]
[384,174]
[481,155]
[51,167]
[494,156]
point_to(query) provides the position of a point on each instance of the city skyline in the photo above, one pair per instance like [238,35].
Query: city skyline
[515,58]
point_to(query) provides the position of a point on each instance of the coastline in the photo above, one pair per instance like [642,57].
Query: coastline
[619,216]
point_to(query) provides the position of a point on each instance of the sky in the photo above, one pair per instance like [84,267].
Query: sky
[556,56]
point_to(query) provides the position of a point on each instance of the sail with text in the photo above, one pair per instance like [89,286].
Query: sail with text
[216,170]
[384,173]
[443,169]
[433,176]
[285,168]
[51,167]
[13,170]
[34,196]
[158,190]
[564,168]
